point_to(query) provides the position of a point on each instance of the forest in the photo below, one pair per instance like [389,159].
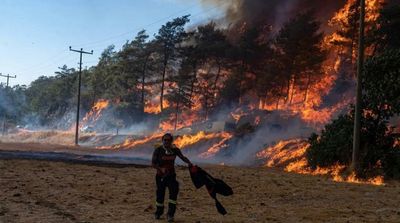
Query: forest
[207,68]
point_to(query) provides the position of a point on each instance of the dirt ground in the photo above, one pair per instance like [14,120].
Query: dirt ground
[43,191]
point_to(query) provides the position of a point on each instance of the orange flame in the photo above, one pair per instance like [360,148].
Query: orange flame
[214,149]
[290,155]
[95,113]
[154,107]
[185,119]
[131,143]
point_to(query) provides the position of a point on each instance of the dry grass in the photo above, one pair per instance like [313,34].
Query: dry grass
[40,191]
[52,137]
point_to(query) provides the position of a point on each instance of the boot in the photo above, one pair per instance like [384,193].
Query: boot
[170,218]
[159,212]
[171,212]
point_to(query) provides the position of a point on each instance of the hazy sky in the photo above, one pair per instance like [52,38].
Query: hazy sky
[35,34]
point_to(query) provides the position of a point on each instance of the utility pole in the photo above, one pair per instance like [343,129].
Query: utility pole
[355,165]
[79,91]
[4,115]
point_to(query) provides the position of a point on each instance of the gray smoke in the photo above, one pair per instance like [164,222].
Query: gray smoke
[273,12]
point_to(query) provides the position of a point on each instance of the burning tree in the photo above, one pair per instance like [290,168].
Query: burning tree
[168,38]
[298,49]
[379,143]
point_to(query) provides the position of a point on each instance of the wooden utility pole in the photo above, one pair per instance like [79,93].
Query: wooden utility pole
[4,115]
[355,165]
[79,91]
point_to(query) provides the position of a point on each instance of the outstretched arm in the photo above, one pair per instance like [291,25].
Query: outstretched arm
[183,158]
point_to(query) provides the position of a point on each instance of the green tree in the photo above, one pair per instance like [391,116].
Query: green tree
[136,62]
[101,79]
[51,97]
[12,104]
[168,38]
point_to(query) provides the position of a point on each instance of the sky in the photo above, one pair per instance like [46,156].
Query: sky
[35,35]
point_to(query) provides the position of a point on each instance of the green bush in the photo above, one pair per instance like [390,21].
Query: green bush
[381,101]
[391,164]
[335,145]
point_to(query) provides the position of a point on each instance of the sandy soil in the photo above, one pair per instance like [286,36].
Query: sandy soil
[43,191]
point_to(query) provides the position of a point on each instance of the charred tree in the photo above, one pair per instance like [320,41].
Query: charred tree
[298,47]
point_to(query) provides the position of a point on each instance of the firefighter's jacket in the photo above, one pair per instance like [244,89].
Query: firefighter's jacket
[214,186]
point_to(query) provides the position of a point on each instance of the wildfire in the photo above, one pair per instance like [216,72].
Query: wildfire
[290,155]
[153,106]
[187,140]
[341,20]
[279,155]
[307,104]
[185,119]
[214,149]
[237,114]
[131,143]
[95,113]
[371,13]
[307,107]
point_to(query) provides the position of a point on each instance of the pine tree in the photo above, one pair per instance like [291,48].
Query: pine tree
[168,38]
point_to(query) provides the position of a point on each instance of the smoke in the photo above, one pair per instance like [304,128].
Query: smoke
[273,12]
[245,149]
[241,150]
[6,104]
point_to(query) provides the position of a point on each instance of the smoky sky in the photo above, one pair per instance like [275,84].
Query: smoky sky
[274,12]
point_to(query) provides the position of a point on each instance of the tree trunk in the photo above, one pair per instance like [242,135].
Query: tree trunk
[162,84]
[242,71]
[94,96]
[217,76]
[206,106]
[279,96]
[177,111]
[143,78]
[292,94]
[193,81]
[277,103]
[288,89]
[261,101]
[307,87]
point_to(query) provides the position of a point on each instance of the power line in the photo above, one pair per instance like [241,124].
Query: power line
[137,29]
[53,58]
[97,43]
[58,58]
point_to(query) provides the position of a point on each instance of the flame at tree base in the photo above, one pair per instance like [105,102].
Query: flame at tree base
[290,155]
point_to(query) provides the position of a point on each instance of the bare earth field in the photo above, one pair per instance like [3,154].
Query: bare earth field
[43,191]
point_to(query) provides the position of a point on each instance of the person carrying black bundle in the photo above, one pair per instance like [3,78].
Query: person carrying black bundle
[164,161]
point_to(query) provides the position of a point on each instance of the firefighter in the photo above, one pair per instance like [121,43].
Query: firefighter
[164,161]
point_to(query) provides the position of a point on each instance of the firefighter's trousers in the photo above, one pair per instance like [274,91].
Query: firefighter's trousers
[172,184]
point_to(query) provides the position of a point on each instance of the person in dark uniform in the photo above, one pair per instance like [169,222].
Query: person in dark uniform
[164,161]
